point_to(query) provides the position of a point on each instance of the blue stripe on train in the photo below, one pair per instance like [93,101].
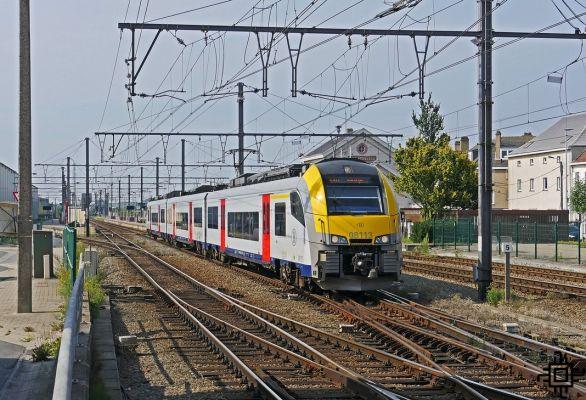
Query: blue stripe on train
[247,256]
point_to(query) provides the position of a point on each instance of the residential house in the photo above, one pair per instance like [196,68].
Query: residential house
[540,170]
[502,146]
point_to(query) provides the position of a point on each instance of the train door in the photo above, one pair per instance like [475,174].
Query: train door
[190,221]
[174,222]
[223,225]
[266,228]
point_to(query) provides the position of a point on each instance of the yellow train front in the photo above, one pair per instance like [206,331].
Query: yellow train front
[352,225]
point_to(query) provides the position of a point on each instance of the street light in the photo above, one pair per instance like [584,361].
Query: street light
[561,181]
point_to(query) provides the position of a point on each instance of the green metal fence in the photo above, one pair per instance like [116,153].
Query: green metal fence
[555,240]
[70,249]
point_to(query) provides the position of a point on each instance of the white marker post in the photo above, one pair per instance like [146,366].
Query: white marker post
[507,247]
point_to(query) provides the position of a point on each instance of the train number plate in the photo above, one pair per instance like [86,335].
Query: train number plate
[360,235]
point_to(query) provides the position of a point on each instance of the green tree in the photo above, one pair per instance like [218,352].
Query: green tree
[578,197]
[429,122]
[435,175]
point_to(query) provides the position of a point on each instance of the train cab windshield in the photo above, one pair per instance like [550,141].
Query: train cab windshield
[355,195]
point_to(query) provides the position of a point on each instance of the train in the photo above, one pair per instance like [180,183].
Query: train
[332,224]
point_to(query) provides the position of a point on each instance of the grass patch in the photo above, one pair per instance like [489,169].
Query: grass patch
[494,296]
[424,247]
[46,350]
[96,294]
[65,284]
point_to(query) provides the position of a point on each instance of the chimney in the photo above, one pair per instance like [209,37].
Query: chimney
[497,146]
[464,144]
[457,145]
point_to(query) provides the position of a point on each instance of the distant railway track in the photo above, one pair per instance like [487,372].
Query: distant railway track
[524,279]
[415,344]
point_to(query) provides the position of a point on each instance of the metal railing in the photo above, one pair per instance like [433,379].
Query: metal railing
[69,338]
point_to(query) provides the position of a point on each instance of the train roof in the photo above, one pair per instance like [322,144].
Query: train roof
[284,178]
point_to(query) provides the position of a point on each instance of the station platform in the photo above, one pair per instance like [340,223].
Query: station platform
[20,377]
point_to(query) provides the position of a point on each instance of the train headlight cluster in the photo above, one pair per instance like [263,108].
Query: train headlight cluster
[384,239]
[336,239]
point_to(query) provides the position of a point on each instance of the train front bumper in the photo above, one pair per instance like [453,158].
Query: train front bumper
[358,268]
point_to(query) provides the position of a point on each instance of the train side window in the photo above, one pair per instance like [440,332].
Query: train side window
[280,219]
[163,216]
[182,220]
[198,217]
[297,207]
[154,217]
[213,217]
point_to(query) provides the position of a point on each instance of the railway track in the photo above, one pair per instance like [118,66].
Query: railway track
[524,279]
[307,357]
[401,341]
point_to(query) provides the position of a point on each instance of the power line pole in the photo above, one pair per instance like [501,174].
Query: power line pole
[68,190]
[25,216]
[485,150]
[182,166]
[87,187]
[63,194]
[128,205]
[111,200]
[141,191]
[240,128]
[157,178]
[119,198]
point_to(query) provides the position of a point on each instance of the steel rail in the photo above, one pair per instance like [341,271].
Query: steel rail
[464,274]
[337,373]
[252,377]
[525,370]
[477,330]
[555,274]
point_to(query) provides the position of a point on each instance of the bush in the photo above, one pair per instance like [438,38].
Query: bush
[420,230]
[65,284]
[494,296]
[424,248]
[96,294]
[46,350]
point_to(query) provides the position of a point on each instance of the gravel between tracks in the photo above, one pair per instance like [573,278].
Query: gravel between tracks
[155,369]
[246,289]
[549,318]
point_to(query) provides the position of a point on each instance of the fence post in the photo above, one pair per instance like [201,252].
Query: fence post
[469,229]
[517,240]
[455,234]
[555,236]
[535,238]
[443,231]
[579,241]
[498,233]
[433,231]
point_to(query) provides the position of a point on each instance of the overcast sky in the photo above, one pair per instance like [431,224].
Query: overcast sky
[74,48]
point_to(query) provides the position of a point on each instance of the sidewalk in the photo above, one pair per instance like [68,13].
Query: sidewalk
[20,378]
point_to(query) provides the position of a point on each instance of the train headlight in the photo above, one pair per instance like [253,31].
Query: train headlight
[384,239]
[336,239]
